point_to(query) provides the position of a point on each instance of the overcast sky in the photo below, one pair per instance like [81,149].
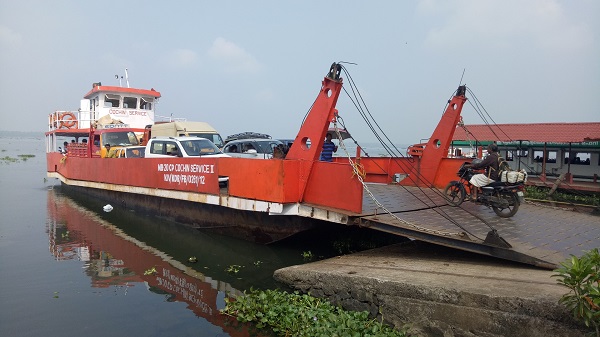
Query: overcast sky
[258,65]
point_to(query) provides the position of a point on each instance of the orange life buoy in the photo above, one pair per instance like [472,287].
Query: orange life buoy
[67,120]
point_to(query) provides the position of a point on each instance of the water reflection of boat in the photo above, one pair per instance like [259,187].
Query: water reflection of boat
[116,259]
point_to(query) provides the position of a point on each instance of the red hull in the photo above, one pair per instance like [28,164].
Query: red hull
[300,185]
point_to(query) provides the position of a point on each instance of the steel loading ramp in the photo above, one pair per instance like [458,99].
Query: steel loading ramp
[538,235]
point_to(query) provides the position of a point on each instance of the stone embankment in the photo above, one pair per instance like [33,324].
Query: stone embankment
[437,291]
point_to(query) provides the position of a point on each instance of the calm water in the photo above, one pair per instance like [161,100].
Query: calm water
[69,269]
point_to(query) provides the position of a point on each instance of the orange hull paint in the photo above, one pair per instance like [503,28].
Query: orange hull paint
[299,179]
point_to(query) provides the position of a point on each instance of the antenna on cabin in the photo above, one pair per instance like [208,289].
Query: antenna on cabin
[126,77]
[117,77]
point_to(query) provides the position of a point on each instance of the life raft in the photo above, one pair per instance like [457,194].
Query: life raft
[67,120]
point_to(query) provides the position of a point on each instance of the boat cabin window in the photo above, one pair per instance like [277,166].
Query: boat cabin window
[509,156]
[111,101]
[146,103]
[538,156]
[130,102]
[551,158]
[522,153]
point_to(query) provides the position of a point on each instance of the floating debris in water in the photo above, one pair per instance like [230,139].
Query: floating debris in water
[107,208]
[151,271]
[193,259]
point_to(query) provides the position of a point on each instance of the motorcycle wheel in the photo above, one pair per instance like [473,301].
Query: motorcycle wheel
[511,209]
[454,194]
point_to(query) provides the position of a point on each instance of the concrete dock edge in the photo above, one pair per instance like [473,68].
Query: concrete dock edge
[437,291]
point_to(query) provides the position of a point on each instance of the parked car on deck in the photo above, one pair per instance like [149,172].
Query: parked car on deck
[160,147]
[287,143]
[169,147]
[251,148]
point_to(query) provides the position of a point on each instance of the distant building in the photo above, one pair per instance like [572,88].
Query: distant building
[544,149]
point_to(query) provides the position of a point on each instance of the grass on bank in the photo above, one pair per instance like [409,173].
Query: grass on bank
[292,314]
[541,193]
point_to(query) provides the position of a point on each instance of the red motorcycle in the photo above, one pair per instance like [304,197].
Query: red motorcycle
[504,198]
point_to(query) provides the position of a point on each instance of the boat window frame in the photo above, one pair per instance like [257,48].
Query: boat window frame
[111,99]
[146,103]
[127,100]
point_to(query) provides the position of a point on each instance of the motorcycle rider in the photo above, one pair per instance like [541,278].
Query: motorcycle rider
[490,163]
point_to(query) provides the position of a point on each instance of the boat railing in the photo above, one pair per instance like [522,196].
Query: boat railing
[65,120]
[77,150]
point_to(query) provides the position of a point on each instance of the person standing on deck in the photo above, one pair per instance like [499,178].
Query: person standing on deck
[328,149]
[64,149]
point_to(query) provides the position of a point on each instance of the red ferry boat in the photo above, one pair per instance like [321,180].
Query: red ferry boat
[267,200]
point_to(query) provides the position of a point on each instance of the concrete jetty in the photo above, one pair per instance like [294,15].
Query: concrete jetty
[437,291]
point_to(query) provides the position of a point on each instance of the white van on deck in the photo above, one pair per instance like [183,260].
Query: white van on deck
[192,129]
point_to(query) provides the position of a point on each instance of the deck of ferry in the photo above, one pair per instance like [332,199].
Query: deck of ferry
[538,235]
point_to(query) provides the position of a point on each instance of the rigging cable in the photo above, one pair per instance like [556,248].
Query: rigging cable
[361,110]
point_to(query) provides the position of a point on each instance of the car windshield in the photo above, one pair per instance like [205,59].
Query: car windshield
[267,147]
[123,138]
[214,137]
[199,147]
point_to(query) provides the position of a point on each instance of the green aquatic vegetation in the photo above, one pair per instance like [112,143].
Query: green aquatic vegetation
[233,269]
[292,314]
[8,160]
[20,157]
[307,255]
[258,263]
[24,157]
[582,276]
[349,245]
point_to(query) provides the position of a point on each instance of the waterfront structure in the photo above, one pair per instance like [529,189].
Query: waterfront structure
[542,149]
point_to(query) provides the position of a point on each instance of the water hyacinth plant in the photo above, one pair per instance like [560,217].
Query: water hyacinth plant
[292,314]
